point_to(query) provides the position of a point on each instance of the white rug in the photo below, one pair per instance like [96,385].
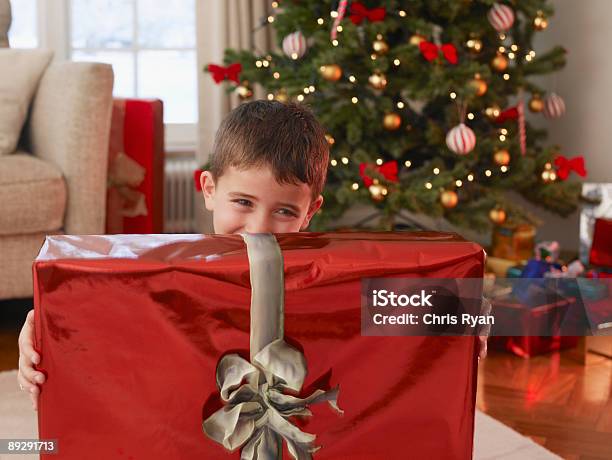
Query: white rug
[493,440]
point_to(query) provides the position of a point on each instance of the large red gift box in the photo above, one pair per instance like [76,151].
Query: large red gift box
[135,196]
[131,329]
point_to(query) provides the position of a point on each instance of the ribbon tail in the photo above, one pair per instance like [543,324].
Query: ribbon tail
[264,445]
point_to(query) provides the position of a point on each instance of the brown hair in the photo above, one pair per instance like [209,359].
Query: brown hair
[284,136]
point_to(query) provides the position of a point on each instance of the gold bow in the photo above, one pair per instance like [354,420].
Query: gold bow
[256,412]
[125,174]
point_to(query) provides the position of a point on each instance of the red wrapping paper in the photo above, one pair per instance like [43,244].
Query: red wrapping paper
[131,327]
[601,249]
[137,130]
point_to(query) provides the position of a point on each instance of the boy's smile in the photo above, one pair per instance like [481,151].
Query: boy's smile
[252,200]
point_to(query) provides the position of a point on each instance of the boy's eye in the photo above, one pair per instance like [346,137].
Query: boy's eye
[287,212]
[243,202]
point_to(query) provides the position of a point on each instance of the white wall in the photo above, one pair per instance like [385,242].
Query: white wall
[585,30]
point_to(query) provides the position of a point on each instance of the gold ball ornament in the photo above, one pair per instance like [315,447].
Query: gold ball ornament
[478,85]
[378,192]
[501,157]
[493,111]
[378,80]
[540,22]
[416,39]
[379,45]
[449,199]
[499,63]
[244,91]
[497,216]
[392,121]
[474,45]
[536,103]
[281,96]
[331,72]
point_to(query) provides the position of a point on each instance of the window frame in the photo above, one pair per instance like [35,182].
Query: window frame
[54,32]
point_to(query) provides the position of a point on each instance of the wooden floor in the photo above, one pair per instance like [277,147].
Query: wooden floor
[556,401]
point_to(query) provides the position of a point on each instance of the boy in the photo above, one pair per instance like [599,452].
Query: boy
[267,171]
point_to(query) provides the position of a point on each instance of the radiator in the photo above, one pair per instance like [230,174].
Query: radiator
[179,195]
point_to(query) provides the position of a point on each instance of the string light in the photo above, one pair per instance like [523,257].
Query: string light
[276,75]
[352,78]
[506,76]
[334,14]
[514,48]
[504,168]
[373,56]
[294,56]
[458,183]
[470,177]
[300,97]
[335,42]
[354,100]
[400,105]
[320,21]
[407,163]
[311,88]
[334,162]
[453,95]
[345,160]
[274,4]
[528,58]
[265,63]
[532,53]
[511,55]
[470,116]
[436,171]
[396,62]
[258,64]
[428,185]
[504,131]
[502,36]
[502,49]
[355,186]
[379,161]
[402,13]
[488,173]
[339,28]
[270,96]
[306,90]
[270,19]
[384,191]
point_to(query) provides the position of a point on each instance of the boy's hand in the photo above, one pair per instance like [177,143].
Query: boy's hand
[28,377]
[482,352]
[485,309]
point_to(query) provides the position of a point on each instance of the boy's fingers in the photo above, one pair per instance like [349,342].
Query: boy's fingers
[34,399]
[26,347]
[29,373]
[25,384]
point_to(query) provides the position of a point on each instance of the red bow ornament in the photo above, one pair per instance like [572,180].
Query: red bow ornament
[388,171]
[359,12]
[566,165]
[220,73]
[430,51]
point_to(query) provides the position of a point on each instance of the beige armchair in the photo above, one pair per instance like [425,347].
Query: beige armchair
[56,181]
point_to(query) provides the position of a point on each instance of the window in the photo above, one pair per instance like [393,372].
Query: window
[24,27]
[150,43]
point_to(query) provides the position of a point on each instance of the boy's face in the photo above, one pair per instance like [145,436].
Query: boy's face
[251,200]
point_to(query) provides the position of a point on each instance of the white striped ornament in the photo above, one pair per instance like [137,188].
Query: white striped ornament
[294,45]
[501,17]
[554,106]
[461,139]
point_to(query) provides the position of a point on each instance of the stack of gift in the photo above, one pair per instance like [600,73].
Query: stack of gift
[201,346]
[135,194]
[542,292]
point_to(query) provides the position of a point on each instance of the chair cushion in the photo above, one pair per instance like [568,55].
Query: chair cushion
[20,72]
[32,195]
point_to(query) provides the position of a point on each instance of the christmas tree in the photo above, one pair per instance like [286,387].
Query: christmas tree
[423,102]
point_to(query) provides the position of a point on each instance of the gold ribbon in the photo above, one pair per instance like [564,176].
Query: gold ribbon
[125,174]
[255,414]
